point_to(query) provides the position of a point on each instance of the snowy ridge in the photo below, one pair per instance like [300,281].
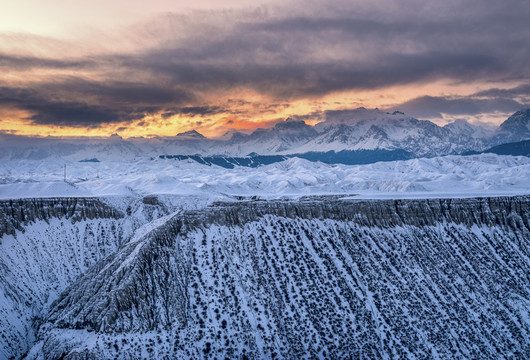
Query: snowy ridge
[38,264]
[45,244]
[138,240]
[313,278]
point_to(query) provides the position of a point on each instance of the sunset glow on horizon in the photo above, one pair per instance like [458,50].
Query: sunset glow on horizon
[163,68]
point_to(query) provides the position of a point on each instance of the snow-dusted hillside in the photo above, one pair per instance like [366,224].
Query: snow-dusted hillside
[45,244]
[325,278]
[442,176]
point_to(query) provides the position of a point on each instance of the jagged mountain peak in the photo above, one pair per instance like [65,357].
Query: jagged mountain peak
[362,129]
[461,127]
[517,123]
[115,137]
[289,127]
[232,134]
[192,134]
[292,124]
[524,112]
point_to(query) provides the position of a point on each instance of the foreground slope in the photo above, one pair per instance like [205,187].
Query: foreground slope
[45,244]
[319,277]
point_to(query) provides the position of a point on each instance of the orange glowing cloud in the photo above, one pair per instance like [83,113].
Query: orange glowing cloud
[245,125]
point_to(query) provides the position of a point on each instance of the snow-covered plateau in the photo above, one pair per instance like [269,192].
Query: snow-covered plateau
[449,176]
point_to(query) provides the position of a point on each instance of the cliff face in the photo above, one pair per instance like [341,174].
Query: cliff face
[45,245]
[313,278]
[375,213]
[14,214]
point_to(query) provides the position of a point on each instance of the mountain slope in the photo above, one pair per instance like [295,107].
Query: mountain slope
[517,126]
[364,129]
[281,138]
[316,278]
[520,148]
[46,244]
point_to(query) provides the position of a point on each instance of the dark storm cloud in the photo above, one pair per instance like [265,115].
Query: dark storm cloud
[291,80]
[341,49]
[30,62]
[73,114]
[200,110]
[482,102]
[296,51]
[61,103]
[117,91]
[523,90]
[47,111]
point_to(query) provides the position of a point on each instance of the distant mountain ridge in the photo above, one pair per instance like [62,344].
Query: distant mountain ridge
[518,124]
[347,131]
[346,157]
[519,148]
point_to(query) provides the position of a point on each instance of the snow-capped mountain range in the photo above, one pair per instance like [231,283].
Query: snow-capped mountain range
[348,130]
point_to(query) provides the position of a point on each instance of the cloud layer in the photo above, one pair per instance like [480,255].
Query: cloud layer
[301,50]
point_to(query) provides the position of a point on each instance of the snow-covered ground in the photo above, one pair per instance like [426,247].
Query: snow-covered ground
[453,176]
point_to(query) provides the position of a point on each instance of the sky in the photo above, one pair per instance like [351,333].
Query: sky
[160,67]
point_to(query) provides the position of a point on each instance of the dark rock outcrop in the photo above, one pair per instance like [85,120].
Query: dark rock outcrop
[14,214]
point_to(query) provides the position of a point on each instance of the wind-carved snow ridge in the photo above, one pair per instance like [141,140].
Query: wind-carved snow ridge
[314,278]
[139,239]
